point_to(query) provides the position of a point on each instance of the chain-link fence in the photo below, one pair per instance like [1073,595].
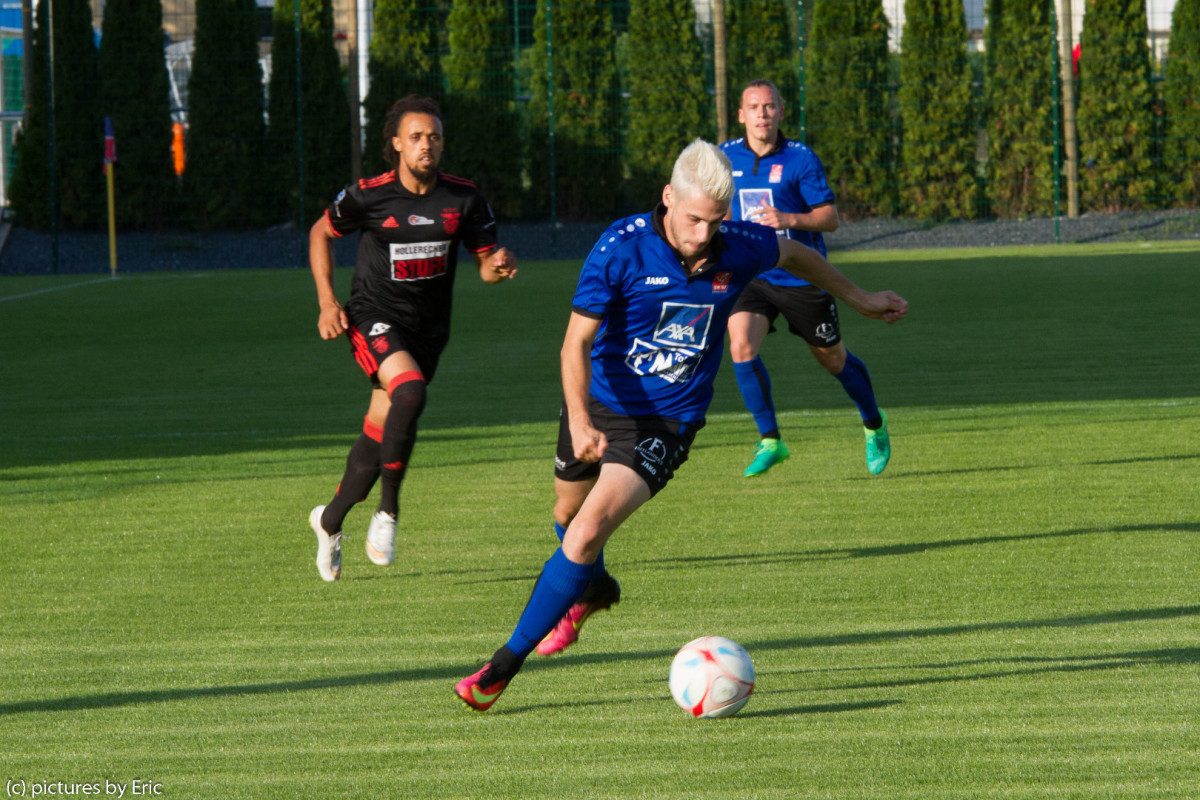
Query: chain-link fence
[244,115]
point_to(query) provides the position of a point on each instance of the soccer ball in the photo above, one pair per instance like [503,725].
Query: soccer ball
[712,677]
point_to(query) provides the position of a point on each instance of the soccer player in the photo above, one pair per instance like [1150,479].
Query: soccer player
[411,221]
[781,184]
[642,349]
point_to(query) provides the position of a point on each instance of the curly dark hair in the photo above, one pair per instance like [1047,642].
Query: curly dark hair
[413,104]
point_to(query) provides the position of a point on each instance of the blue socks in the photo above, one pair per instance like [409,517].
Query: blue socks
[558,587]
[755,385]
[857,382]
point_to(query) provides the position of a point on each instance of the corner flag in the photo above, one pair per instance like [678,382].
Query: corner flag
[110,158]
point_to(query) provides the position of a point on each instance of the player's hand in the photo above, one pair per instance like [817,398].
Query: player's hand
[588,443]
[503,264]
[333,322]
[887,306]
[771,217]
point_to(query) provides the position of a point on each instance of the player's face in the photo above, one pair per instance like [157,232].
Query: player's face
[691,221]
[418,140]
[761,113]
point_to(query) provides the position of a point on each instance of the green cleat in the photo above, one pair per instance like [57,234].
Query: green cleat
[879,447]
[769,453]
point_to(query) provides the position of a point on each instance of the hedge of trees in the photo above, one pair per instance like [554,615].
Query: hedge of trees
[577,107]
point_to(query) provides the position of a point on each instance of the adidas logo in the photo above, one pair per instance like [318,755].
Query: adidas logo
[390,222]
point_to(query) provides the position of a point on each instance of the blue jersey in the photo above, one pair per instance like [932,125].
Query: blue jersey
[663,330]
[789,178]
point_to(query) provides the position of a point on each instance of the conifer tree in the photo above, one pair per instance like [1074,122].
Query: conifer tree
[404,59]
[136,96]
[849,125]
[78,125]
[308,127]
[1020,43]
[762,44]
[587,138]
[483,142]
[937,156]
[225,181]
[663,115]
[1115,116]
[1181,94]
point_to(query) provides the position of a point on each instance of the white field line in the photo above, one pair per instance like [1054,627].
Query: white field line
[53,289]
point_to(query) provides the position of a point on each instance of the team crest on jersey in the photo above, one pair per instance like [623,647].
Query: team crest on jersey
[450,219]
[776,174]
[721,281]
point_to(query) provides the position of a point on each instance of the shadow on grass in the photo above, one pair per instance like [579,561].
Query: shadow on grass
[838,553]
[1040,666]
[450,673]
[821,708]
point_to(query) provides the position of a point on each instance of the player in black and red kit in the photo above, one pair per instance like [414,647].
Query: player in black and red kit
[411,221]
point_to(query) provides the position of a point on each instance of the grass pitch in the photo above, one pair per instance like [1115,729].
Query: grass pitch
[1010,611]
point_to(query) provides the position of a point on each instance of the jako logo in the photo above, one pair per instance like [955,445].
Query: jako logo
[657,281]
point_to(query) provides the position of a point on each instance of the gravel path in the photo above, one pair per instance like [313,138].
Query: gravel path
[26,252]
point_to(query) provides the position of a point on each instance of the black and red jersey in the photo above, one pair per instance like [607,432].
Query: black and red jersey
[408,248]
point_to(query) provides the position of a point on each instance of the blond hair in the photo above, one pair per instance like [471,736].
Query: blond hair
[703,169]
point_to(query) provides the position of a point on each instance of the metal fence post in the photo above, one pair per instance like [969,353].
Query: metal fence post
[802,44]
[550,110]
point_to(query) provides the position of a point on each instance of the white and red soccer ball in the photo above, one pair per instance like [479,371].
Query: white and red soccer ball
[712,677]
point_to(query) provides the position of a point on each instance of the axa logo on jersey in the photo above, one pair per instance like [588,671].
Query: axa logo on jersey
[684,324]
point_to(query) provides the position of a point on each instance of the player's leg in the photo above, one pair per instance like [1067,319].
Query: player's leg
[362,470]
[602,591]
[397,410]
[617,493]
[748,326]
[852,373]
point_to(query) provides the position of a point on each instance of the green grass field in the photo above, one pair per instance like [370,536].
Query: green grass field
[1010,611]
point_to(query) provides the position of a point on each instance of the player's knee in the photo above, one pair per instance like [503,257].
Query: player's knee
[565,509]
[833,360]
[742,350]
[407,392]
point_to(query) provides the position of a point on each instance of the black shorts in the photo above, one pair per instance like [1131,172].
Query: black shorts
[653,447]
[373,340]
[811,313]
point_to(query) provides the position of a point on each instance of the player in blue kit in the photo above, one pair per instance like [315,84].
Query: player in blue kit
[641,351]
[781,184]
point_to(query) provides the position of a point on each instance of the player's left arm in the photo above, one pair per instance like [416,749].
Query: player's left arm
[822,219]
[496,264]
[806,263]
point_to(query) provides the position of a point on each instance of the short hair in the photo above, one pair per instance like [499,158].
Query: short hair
[703,169]
[412,104]
[763,83]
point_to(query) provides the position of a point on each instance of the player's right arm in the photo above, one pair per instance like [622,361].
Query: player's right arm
[332,321]
[805,262]
[588,443]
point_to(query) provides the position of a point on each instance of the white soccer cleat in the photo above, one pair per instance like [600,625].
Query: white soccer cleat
[329,548]
[381,539]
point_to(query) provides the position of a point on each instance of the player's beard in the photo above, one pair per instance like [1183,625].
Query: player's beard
[423,171]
